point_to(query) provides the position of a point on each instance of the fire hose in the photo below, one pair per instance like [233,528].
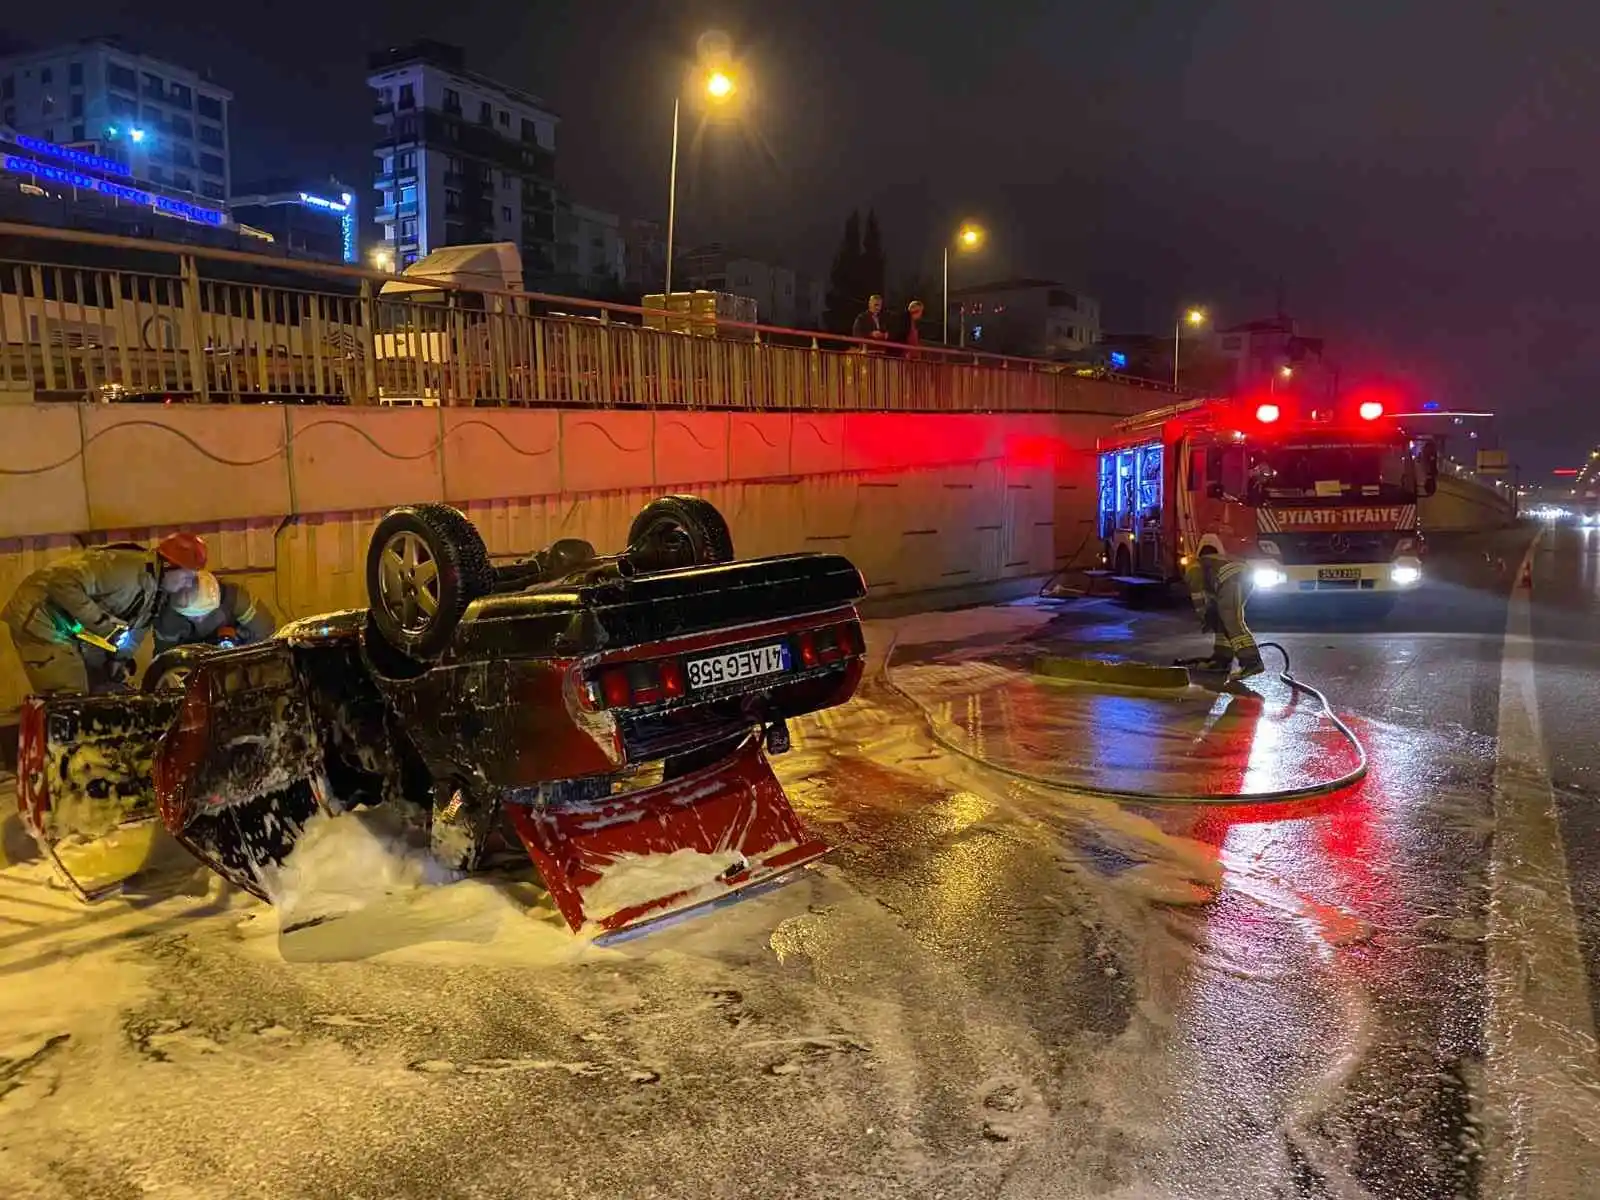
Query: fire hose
[1280,795]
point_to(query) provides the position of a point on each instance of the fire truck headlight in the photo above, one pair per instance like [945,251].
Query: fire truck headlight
[1267,576]
[1406,573]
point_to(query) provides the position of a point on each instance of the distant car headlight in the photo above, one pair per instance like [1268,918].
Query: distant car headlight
[1406,573]
[1266,576]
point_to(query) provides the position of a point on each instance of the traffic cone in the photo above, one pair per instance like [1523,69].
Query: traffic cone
[1527,576]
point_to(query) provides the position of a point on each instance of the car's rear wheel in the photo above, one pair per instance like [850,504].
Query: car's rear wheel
[426,563]
[679,531]
[169,671]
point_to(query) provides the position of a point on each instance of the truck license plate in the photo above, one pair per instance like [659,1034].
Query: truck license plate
[740,664]
[1334,574]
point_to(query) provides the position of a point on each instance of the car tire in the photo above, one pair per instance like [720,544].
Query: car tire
[425,564]
[169,671]
[679,531]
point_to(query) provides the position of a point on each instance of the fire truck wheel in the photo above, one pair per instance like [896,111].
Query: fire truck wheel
[679,531]
[425,564]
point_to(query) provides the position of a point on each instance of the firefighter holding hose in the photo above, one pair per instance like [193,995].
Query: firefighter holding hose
[1216,586]
[77,622]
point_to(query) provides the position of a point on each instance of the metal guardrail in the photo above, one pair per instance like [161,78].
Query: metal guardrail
[224,327]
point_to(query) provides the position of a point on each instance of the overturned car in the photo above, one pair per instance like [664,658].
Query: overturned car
[607,710]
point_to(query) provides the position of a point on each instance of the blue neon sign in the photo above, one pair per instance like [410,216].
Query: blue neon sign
[1119,360]
[84,159]
[322,202]
[347,234]
[120,191]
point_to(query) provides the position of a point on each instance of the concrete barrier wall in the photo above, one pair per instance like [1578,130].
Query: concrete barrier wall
[287,497]
[1464,504]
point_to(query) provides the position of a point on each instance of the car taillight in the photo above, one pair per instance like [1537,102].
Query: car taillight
[821,646]
[638,683]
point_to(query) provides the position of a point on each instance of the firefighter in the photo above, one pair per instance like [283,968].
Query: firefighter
[210,611]
[1216,586]
[77,622]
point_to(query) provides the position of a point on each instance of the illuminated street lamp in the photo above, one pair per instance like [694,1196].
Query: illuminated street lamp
[968,237]
[719,87]
[1195,317]
[136,134]
[382,260]
[1285,373]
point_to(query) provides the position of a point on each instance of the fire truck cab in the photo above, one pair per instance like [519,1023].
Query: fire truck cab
[1315,499]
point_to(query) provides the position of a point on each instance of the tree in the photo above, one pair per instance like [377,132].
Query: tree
[874,267]
[845,298]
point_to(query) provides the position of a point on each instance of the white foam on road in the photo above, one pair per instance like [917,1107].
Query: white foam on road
[1542,1102]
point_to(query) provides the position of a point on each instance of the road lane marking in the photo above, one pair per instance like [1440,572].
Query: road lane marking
[1541,1107]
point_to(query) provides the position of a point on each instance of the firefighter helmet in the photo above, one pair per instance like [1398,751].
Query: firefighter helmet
[201,598]
[186,550]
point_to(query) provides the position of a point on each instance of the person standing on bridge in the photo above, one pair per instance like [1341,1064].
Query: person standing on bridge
[870,325]
[1216,586]
[77,622]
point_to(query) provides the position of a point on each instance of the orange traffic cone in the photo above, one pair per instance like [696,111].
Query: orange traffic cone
[1527,576]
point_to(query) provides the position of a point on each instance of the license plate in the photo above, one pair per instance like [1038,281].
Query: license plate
[737,665]
[1333,574]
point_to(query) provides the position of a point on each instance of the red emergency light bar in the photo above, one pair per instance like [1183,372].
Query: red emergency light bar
[1565,471]
[1268,413]
[1370,410]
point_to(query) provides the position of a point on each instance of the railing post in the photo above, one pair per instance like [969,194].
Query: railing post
[367,344]
[195,328]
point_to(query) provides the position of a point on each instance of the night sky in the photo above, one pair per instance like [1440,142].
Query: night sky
[1421,174]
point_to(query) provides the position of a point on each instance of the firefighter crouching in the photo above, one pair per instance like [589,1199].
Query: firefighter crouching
[77,622]
[1217,588]
[214,613]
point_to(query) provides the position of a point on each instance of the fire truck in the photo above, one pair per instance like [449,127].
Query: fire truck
[1316,499]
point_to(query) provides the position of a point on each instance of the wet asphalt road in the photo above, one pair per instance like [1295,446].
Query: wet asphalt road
[993,988]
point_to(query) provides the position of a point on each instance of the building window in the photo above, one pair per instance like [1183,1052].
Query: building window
[210,135]
[452,200]
[157,175]
[46,76]
[8,115]
[49,133]
[77,104]
[212,190]
[183,156]
[408,229]
[452,101]
[1233,342]
[530,130]
[408,194]
[122,77]
[210,107]
[180,180]
[8,88]
[212,164]
[408,95]
[505,213]
[408,160]
[452,166]
[505,119]
[47,106]
[181,96]
[77,133]
[180,127]
[155,87]
[485,113]
[75,74]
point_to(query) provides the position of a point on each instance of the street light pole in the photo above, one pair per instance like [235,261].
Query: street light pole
[672,198]
[944,336]
[1177,340]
